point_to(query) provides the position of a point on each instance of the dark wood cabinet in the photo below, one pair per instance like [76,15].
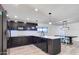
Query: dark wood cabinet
[31,26]
[18,41]
[11,25]
[20,25]
[54,46]
[50,46]
[41,43]
[44,46]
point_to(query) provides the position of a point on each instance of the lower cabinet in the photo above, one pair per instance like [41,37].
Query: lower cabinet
[18,41]
[41,43]
[44,47]
[54,46]
[9,43]
[50,46]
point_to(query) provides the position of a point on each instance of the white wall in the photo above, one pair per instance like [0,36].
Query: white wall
[52,29]
[73,31]
[45,25]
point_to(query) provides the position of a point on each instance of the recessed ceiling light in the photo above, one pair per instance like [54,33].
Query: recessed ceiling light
[7,15]
[36,9]
[27,18]
[15,16]
[50,23]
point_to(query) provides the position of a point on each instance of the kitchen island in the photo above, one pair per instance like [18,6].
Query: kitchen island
[68,38]
[50,45]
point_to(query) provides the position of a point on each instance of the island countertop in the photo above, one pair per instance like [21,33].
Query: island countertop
[49,37]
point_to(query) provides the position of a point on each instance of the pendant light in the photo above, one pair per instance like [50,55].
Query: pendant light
[50,22]
[36,10]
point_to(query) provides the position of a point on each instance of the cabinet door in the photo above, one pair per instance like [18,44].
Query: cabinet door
[9,43]
[38,42]
[41,43]
[19,41]
[31,26]
[12,25]
[54,46]
[29,40]
[44,44]
[16,42]
[20,25]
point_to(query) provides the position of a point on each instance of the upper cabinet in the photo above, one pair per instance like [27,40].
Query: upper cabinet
[20,25]
[31,26]
[12,25]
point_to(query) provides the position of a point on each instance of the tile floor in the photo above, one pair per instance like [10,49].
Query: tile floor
[26,50]
[33,50]
[70,49]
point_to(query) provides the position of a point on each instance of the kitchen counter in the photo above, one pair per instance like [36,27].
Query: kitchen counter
[51,37]
[68,38]
[48,44]
[18,33]
[73,36]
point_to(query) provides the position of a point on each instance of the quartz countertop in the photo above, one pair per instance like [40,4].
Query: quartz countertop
[49,37]
[52,37]
[15,33]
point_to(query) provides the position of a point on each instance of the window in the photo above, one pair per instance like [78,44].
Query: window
[42,29]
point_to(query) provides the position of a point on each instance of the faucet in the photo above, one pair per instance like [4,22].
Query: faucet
[42,33]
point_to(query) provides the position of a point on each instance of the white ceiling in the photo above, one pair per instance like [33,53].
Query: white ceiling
[60,12]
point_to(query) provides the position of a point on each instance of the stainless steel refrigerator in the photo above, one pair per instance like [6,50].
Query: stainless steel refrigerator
[3,30]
